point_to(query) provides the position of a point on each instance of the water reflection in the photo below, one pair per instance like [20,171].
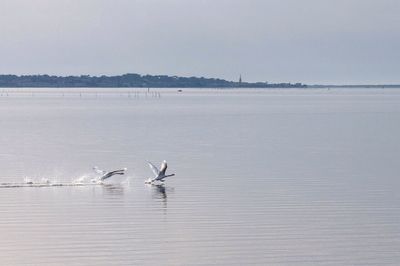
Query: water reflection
[159,192]
[312,209]
[113,189]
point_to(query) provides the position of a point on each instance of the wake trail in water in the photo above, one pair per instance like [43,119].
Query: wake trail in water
[46,182]
[20,185]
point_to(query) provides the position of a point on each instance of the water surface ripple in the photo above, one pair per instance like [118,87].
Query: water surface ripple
[263,177]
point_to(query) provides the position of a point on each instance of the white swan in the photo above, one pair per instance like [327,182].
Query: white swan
[159,175]
[105,174]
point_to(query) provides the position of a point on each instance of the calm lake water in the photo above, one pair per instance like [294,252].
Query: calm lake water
[263,177]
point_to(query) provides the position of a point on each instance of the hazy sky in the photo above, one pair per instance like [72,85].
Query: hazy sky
[311,41]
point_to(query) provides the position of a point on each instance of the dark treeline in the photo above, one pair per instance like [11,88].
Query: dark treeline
[131,80]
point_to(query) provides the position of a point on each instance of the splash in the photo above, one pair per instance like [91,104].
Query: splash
[28,180]
[46,182]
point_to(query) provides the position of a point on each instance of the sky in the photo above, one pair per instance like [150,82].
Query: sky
[308,41]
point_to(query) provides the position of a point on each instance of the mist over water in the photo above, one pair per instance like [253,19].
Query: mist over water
[285,177]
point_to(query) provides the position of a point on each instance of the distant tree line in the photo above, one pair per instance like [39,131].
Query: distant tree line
[132,80]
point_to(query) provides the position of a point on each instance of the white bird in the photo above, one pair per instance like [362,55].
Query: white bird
[159,175]
[105,174]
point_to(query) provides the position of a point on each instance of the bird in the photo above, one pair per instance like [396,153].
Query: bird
[105,175]
[159,175]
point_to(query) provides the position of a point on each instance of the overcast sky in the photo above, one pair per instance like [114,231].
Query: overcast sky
[310,41]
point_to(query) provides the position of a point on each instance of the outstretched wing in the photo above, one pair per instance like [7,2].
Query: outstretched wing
[163,168]
[112,173]
[154,169]
[163,177]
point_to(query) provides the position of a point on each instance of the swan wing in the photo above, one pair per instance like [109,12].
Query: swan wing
[163,168]
[161,178]
[154,169]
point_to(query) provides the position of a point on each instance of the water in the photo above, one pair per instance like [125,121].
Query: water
[263,177]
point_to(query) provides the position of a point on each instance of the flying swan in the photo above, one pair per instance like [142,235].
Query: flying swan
[105,174]
[159,175]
